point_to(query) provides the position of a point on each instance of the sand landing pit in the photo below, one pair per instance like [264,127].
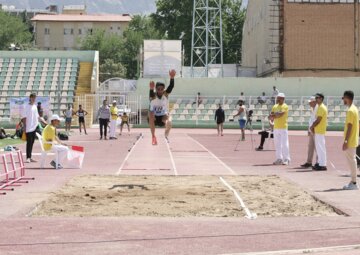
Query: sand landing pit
[179,196]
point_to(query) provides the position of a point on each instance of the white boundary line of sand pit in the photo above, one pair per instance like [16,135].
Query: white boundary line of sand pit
[249,214]
[213,155]
[128,155]
[171,158]
[303,251]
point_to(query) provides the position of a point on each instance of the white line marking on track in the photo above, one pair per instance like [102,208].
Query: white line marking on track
[212,154]
[128,155]
[302,251]
[249,214]
[337,170]
[171,158]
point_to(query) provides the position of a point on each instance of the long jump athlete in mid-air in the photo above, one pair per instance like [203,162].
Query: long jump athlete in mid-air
[159,104]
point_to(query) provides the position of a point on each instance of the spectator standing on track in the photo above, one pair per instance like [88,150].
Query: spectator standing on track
[275,93]
[81,113]
[114,116]
[68,114]
[319,129]
[351,138]
[124,120]
[52,142]
[311,143]
[358,152]
[30,118]
[159,112]
[279,113]
[220,119]
[242,119]
[104,117]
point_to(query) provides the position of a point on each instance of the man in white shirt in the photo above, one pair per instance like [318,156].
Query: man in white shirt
[274,95]
[311,145]
[30,118]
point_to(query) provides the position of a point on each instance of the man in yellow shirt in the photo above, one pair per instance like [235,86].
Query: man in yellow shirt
[351,138]
[114,117]
[52,142]
[319,129]
[124,121]
[279,114]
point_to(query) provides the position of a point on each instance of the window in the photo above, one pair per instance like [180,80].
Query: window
[47,31]
[68,31]
[80,31]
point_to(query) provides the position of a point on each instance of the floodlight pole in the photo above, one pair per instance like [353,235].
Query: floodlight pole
[207,36]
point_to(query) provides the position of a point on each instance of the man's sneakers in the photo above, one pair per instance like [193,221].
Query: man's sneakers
[278,162]
[259,148]
[351,186]
[317,167]
[306,165]
[30,160]
[53,164]
[154,141]
[286,162]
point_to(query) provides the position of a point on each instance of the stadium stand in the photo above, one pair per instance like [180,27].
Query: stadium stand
[21,76]
[299,112]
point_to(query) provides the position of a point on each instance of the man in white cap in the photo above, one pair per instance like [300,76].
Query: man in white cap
[319,128]
[311,144]
[114,116]
[279,114]
[52,142]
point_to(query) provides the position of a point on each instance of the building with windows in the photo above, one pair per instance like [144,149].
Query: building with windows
[65,31]
[302,38]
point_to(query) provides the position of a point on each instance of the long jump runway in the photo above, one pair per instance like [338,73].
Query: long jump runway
[182,156]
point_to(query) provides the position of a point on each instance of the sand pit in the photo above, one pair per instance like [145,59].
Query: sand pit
[180,196]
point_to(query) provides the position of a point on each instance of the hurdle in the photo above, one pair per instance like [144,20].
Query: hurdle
[13,172]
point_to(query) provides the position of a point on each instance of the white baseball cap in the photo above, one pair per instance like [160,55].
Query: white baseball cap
[281,95]
[114,101]
[55,117]
[312,99]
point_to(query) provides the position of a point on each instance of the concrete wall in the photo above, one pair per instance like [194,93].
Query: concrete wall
[254,86]
[259,35]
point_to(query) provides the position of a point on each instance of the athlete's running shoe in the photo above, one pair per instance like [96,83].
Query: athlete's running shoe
[154,141]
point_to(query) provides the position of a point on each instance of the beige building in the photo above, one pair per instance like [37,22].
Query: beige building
[65,31]
[302,38]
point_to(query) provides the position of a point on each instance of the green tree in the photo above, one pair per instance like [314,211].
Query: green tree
[176,16]
[13,30]
[110,46]
[140,29]
[111,69]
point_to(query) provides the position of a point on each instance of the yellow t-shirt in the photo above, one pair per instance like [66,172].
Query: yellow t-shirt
[49,133]
[282,122]
[114,110]
[321,127]
[124,118]
[352,117]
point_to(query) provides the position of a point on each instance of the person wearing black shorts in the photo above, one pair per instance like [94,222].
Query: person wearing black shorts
[158,112]
[81,113]
[220,119]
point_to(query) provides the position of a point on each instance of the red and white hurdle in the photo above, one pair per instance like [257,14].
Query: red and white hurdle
[13,172]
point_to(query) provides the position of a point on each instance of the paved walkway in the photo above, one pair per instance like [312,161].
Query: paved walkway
[198,152]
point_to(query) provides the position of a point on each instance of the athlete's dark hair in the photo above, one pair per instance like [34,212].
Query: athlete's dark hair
[160,84]
[349,94]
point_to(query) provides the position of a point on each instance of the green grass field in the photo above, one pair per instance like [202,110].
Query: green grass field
[5,142]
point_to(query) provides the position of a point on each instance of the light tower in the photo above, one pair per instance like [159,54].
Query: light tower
[207,43]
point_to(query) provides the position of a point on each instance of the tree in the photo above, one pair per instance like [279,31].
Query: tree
[13,31]
[110,46]
[140,29]
[111,69]
[176,16]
